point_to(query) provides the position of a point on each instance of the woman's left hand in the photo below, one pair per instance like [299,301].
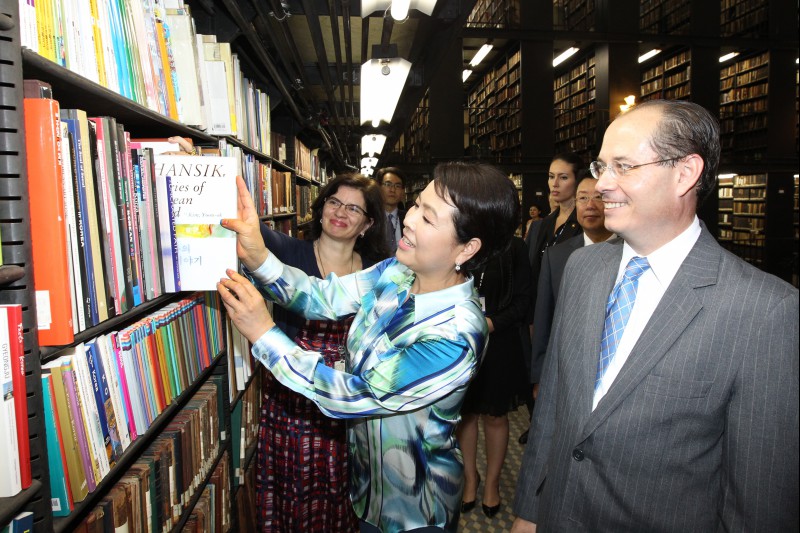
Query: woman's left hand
[245,306]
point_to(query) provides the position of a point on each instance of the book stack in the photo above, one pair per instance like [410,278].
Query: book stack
[255,172]
[244,428]
[101,395]
[181,465]
[107,226]
[15,453]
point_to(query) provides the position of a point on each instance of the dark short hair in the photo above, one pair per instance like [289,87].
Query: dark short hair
[578,164]
[372,245]
[486,202]
[687,128]
[390,170]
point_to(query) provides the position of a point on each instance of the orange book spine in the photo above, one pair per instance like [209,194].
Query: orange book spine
[48,222]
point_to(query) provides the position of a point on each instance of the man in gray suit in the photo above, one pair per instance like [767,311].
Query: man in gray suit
[669,396]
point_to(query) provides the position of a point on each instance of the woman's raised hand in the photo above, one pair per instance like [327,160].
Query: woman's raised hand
[249,243]
[245,306]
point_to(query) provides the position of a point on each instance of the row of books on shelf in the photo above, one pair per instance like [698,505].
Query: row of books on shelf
[105,393]
[148,51]
[116,222]
[270,187]
[244,426]
[159,487]
[21,523]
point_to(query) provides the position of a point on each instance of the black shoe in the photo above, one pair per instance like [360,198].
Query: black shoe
[491,511]
[468,506]
[523,439]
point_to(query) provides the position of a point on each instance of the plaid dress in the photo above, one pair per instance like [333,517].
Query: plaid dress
[302,481]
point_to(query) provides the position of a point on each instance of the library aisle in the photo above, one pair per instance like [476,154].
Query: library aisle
[477,522]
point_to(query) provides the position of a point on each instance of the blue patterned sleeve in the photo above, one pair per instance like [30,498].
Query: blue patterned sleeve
[331,298]
[418,375]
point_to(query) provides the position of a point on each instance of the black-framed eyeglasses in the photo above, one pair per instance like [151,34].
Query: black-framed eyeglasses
[390,185]
[617,169]
[351,209]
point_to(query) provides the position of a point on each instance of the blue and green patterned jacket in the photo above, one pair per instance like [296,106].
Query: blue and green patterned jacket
[410,359]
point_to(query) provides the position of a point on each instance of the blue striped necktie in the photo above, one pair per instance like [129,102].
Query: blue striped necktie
[618,311]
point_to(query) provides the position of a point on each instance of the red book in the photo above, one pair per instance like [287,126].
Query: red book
[48,222]
[14,313]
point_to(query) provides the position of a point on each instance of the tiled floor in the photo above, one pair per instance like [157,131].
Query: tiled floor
[475,521]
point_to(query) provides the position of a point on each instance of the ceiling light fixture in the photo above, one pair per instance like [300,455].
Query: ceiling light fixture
[481,54]
[399,9]
[726,176]
[382,82]
[726,57]
[369,7]
[630,101]
[563,56]
[372,144]
[647,55]
[465,74]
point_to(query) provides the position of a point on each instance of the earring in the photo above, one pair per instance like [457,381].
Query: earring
[362,234]
[458,267]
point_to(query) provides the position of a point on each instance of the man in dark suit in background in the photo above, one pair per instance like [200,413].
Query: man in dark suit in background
[392,182]
[589,206]
[669,395]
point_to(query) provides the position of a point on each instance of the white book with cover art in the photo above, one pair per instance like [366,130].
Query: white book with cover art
[194,194]
[10,481]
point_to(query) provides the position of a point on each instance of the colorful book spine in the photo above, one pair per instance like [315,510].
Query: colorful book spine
[10,483]
[17,348]
[60,494]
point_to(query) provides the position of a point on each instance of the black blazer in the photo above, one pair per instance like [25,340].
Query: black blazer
[541,232]
[553,262]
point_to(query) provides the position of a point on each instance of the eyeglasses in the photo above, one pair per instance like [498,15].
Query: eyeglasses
[390,185]
[587,199]
[351,209]
[617,169]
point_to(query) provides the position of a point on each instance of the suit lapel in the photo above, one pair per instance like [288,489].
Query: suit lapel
[676,310]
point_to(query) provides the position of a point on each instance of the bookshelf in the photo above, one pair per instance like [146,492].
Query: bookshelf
[744,86]
[72,89]
[668,78]
[664,16]
[415,143]
[574,15]
[494,14]
[725,211]
[748,222]
[494,111]
[574,92]
[744,18]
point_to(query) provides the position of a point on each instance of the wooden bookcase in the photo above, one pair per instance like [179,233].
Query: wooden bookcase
[574,15]
[744,86]
[415,143]
[668,78]
[744,18]
[494,14]
[664,16]
[725,211]
[748,222]
[494,111]
[574,95]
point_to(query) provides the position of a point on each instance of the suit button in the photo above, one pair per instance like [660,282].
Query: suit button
[577,454]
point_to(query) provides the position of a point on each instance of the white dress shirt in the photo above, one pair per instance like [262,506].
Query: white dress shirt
[653,283]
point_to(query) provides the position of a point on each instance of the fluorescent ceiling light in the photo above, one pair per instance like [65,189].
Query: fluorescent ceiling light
[726,176]
[382,82]
[563,56]
[478,57]
[367,171]
[647,55]
[399,10]
[465,74]
[369,162]
[368,7]
[728,56]
[372,144]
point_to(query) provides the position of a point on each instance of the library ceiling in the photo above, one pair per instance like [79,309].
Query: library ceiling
[309,55]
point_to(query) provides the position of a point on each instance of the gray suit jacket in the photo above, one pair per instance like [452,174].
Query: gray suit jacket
[699,431]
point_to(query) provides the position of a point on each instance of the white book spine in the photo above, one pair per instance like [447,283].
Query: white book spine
[10,481]
[91,417]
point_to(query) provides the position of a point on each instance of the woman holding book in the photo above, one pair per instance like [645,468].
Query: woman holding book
[302,481]
[415,343]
